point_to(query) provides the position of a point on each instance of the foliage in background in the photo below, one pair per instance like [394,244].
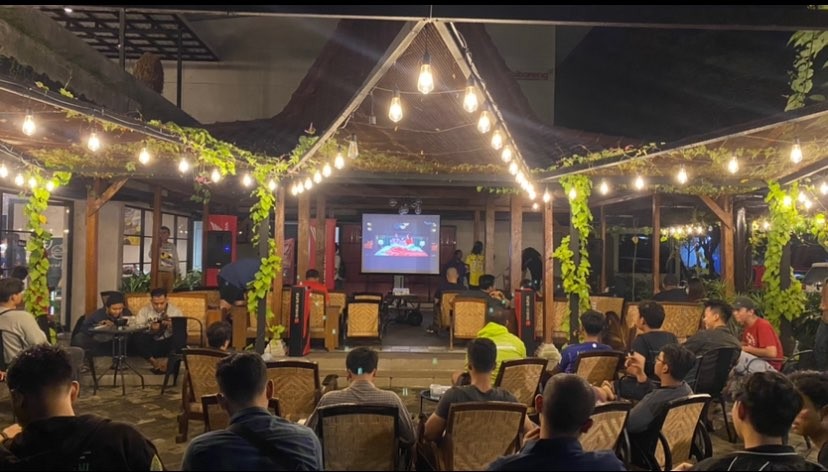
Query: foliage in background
[191,281]
[808,45]
[36,296]
[138,282]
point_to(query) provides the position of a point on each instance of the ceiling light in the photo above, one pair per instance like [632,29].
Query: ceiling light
[506,155]
[547,197]
[271,185]
[183,165]
[353,148]
[317,177]
[573,194]
[94,143]
[513,168]
[144,157]
[50,186]
[470,102]
[425,83]
[215,176]
[339,161]
[247,181]
[796,153]
[326,170]
[19,180]
[823,188]
[29,126]
[733,165]
[395,111]
[4,171]
[682,176]
[484,124]
[308,184]
[497,139]
[604,187]
[639,183]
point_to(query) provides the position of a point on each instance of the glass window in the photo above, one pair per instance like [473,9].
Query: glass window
[138,236]
[167,220]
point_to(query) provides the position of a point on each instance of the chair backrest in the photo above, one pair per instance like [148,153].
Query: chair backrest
[678,427]
[469,316]
[201,371]
[179,336]
[192,305]
[368,297]
[713,369]
[339,299]
[105,296]
[608,422]
[359,436]
[363,319]
[296,385]
[605,304]
[477,433]
[598,366]
[560,308]
[136,300]
[446,301]
[521,378]
[682,319]
[8,341]
[317,311]
[78,325]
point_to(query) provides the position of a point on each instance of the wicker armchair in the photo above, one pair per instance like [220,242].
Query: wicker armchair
[682,319]
[608,429]
[521,377]
[598,366]
[605,304]
[477,433]
[317,315]
[446,302]
[297,387]
[364,319]
[678,427]
[554,330]
[469,318]
[712,372]
[200,381]
[375,447]
[339,299]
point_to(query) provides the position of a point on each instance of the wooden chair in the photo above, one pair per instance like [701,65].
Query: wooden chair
[605,304]
[200,381]
[521,377]
[608,429]
[469,317]
[712,372]
[598,366]
[446,301]
[216,418]
[555,328]
[339,299]
[364,320]
[682,319]
[678,427]
[297,387]
[477,433]
[194,307]
[359,437]
[317,315]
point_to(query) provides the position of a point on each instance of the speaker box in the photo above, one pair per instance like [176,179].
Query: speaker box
[219,250]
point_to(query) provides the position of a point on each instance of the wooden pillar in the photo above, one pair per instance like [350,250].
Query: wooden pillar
[656,243]
[604,254]
[320,235]
[548,272]
[742,252]
[302,241]
[92,247]
[261,308]
[490,236]
[477,226]
[728,250]
[205,226]
[279,239]
[156,229]
[574,299]
[517,242]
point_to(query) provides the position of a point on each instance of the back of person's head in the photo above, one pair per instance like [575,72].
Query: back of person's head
[614,331]
[652,313]
[9,287]
[482,354]
[670,280]
[218,334]
[458,253]
[158,292]
[568,403]
[498,315]
[311,274]
[39,369]
[813,385]
[593,322]
[241,377]
[486,281]
[451,273]
[19,272]
[678,359]
[721,308]
[769,401]
[477,248]
[114,298]
[695,289]
[362,360]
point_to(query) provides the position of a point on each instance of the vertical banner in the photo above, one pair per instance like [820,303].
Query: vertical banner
[330,254]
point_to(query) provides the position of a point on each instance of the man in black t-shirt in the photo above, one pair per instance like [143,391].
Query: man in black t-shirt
[648,344]
[52,437]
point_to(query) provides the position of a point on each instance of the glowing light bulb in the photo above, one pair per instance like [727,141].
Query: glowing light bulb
[484,124]
[32,182]
[215,176]
[547,197]
[308,184]
[787,201]
[682,176]
[470,99]
[395,111]
[19,180]
[535,206]
[733,165]
[50,186]
[29,126]
[808,204]
[604,187]
[183,165]
[497,139]
[271,185]
[94,143]
[4,171]
[247,181]
[796,153]
[506,155]
[299,187]
[766,225]
[573,194]
[802,197]
[639,183]
[513,168]
[317,177]
[823,188]
[326,170]
[144,156]
[532,194]
[339,161]
[425,83]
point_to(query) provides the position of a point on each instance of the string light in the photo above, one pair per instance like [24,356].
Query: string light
[308,184]
[299,188]
[787,201]
[796,153]
[682,176]
[29,127]
[470,102]
[271,185]
[339,161]
[823,188]
[4,171]
[639,183]
[353,149]
[425,83]
[532,194]
[50,186]
[547,197]
[573,194]
[32,182]
[513,168]
[19,180]
[94,143]
[506,155]
[808,204]
[604,187]
[317,177]
[497,139]
[326,170]
[215,176]
[733,165]
[144,157]
[183,165]
[395,111]
[535,206]
[247,181]
[484,124]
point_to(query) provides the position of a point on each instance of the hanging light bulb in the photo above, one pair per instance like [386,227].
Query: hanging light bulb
[520,178]
[802,197]
[215,176]
[395,111]
[293,190]
[50,186]
[4,171]
[470,98]
[425,83]
[299,188]
[506,155]
[484,124]
[604,187]
[183,165]
[808,204]
[94,143]
[513,168]
[308,184]
[573,194]
[317,177]
[271,185]
[247,181]
[339,161]
[547,197]
[639,183]
[733,165]
[796,153]
[326,170]
[497,139]
[787,201]
[823,188]
[32,182]
[682,176]
[353,149]
[144,156]
[19,180]
[29,126]
[535,206]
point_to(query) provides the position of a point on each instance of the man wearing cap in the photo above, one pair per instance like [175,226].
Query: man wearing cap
[759,340]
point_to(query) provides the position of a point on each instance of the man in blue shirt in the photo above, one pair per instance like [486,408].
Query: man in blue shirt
[233,279]
[255,439]
[592,324]
[566,406]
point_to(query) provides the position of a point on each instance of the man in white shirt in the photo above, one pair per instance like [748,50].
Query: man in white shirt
[158,342]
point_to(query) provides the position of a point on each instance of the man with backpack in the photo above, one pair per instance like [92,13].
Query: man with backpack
[53,437]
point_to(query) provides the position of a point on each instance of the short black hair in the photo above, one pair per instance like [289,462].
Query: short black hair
[679,359]
[458,252]
[8,287]
[312,274]
[114,298]
[477,248]
[568,402]
[158,292]
[482,353]
[721,308]
[19,272]
[241,376]
[362,358]
[218,333]
[653,313]
[165,228]
[593,322]
[771,400]
[38,369]
[486,281]
[498,315]
[812,384]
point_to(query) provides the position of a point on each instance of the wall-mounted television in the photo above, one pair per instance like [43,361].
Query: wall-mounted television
[400,244]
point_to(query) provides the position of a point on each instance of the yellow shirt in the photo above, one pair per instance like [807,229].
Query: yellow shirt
[475,263]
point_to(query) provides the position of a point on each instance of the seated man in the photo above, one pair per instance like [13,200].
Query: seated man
[52,437]
[19,322]
[509,346]
[672,292]
[314,284]
[715,334]
[362,369]
[766,403]
[565,409]
[113,310]
[592,325]
[759,339]
[812,420]
[255,439]
[486,291]
[158,341]
[219,335]
[233,279]
[647,344]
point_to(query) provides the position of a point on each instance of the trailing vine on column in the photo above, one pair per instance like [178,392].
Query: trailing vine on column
[575,278]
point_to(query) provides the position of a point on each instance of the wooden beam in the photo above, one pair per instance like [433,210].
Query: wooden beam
[302,240]
[110,192]
[724,216]
[490,236]
[729,250]
[155,250]
[279,239]
[476,229]
[91,300]
[548,271]
[656,243]
[517,243]
[320,235]
[603,281]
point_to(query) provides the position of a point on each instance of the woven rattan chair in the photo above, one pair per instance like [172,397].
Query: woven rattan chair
[359,437]
[477,433]
[200,381]
[339,299]
[682,319]
[317,315]
[469,317]
[216,418]
[555,328]
[446,301]
[629,320]
[521,377]
[194,306]
[297,387]
[607,431]
[678,427]
[712,372]
[605,304]
[598,366]
[364,320]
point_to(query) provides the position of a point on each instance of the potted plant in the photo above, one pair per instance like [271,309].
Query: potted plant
[136,283]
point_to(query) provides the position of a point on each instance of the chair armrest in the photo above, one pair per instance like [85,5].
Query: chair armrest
[668,456]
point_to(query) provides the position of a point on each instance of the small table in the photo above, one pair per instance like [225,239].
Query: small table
[120,335]
[426,395]
[402,304]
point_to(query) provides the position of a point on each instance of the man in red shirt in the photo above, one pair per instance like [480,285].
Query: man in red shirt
[759,340]
[313,283]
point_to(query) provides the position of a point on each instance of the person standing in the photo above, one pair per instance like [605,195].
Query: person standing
[167,260]
[475,262]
